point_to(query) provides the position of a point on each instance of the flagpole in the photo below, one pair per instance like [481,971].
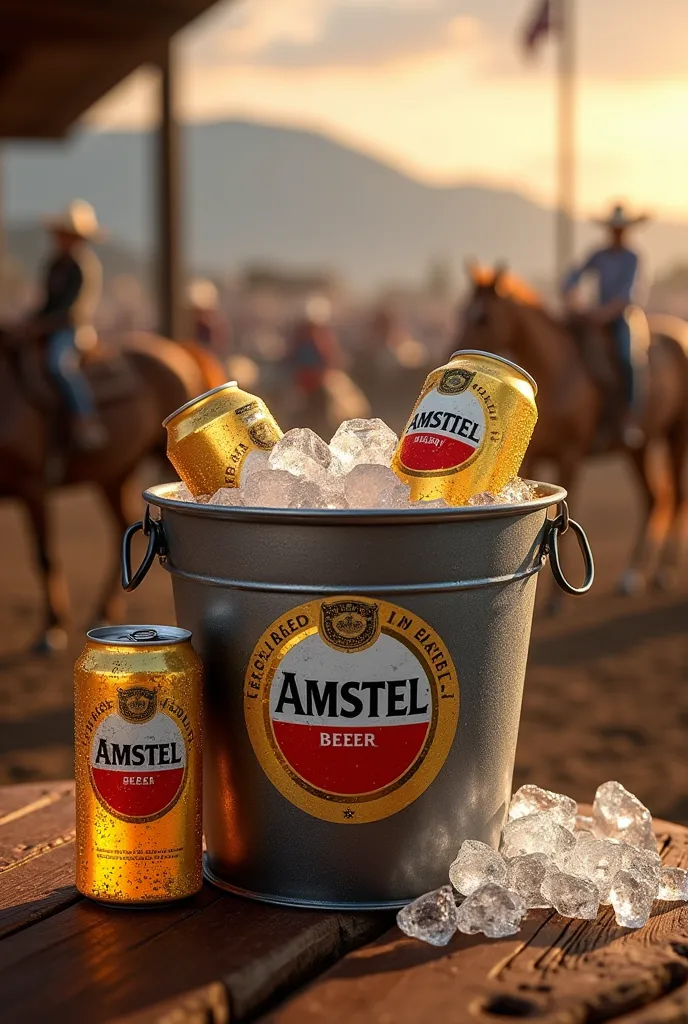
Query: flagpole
[566,137]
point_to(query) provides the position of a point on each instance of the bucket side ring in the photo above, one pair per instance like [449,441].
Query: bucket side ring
[151,528]
[559,526]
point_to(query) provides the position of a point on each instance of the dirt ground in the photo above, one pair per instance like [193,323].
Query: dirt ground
[606,693]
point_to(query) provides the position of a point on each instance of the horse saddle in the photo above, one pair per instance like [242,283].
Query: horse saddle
[113,378]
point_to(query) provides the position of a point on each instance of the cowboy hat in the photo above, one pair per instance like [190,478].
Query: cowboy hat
[79,219]
[619,219]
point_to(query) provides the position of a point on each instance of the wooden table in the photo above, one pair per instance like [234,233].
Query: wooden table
[218,958]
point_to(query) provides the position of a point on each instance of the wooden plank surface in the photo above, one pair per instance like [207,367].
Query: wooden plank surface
[36,853]
[555,969]
[90,963]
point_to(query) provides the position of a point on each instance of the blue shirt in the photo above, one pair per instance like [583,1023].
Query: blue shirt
[616,270]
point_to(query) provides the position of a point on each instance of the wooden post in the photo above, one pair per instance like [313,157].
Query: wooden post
[169,234]
[566,130]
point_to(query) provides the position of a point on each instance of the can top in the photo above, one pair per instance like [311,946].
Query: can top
[139,635]
[199,398]
[499,359]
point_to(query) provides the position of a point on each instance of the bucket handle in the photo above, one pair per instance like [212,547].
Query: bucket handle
[151,528]
[558,527]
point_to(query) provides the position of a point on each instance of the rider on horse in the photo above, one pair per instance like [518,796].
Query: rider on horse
[616,269]
[72,288]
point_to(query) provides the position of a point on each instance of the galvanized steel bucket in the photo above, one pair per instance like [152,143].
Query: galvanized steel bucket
[364,673]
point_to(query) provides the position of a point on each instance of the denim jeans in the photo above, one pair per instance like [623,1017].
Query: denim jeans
[621,333]
[63,365]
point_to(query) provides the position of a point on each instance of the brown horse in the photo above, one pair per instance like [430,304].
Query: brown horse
[504,316]
[146,380]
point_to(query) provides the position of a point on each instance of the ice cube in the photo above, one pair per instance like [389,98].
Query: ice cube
[229,496]
[396,496]
[644,865]
[570,895]
[366,484]
[673,884]
[531,799]
[255,462]
[619,814]
[272,489]
[631,899]
[180,492]
[369,442]
[303,453]
[434,503]
[482,498]
[493,910]
[476,864]
[525,875]
[432,917]
[536,833]
[584,823]
[514,491]
[598,860]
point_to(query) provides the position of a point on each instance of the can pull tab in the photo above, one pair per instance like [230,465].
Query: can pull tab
[142,636]
[151,528]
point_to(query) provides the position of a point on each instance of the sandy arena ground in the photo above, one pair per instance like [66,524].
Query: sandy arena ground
[606,694]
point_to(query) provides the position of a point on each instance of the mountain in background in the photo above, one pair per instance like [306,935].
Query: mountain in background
[259,193]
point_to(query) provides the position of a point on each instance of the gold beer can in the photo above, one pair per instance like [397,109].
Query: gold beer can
[209,437]
[138,765]
[469,429]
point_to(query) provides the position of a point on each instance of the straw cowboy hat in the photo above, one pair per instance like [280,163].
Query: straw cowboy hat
[203,294]
[619,219]
[78,219]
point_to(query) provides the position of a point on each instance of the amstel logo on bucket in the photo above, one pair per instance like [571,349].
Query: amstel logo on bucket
[447,427]
[138,758]
[351,705]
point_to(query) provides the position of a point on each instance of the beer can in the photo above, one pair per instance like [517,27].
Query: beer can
[209,437]
[469,430]
[138,765]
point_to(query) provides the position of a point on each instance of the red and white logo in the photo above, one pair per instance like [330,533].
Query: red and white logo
[444,432]
[350,723]
[138,769]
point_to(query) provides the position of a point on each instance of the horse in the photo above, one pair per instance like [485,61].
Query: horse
[145,379]
[505,316]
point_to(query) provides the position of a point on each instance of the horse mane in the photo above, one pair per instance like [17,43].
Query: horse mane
[509,286]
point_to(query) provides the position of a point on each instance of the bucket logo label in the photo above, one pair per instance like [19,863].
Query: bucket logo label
[138,763]
[351,706]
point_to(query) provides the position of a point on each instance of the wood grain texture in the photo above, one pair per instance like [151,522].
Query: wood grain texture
[207,1005]
[557,970]
[36,853]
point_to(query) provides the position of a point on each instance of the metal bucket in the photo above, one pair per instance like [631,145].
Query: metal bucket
[364,673]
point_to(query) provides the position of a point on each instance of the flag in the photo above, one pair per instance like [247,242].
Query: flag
[542,21]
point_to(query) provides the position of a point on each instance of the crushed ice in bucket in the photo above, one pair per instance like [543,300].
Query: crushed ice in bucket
[352,471]
[551,857]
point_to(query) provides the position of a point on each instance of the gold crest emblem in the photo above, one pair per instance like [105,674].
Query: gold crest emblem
[455,381]
[349,625]
[263,435]
[137,704]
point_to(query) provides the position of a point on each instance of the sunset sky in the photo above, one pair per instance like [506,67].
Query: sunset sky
[441,89]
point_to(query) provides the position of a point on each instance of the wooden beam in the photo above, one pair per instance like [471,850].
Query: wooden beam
[170,270]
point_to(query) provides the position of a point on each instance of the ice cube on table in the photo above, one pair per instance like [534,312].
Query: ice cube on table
[432,917]
[531,799]
[360,441]
[493,910]
[598,860]
[632,900]
[618,814]
[525,875]
[570,895]
[645,865]
[536,833]
[476,864]
[366,485]
[673,884]
[228,496]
